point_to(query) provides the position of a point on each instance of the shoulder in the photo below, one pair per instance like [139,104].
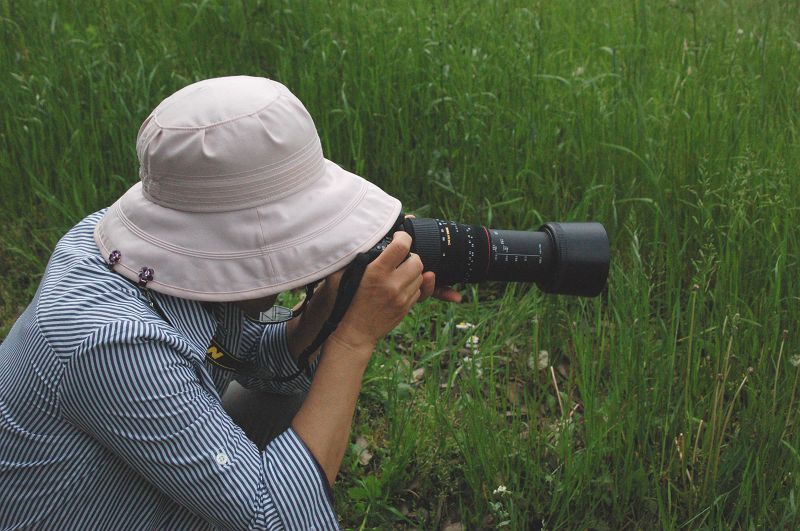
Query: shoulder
[80,297]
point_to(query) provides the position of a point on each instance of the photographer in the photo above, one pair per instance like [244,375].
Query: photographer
[111,413]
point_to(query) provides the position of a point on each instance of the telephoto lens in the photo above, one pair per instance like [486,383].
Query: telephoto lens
[562,258]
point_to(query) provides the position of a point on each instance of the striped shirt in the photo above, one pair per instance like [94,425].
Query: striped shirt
[110,416]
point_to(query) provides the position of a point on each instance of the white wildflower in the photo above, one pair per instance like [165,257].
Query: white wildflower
[463,325]
[544,360]
[472,364]
[539,361]
[472,344]
[501,489]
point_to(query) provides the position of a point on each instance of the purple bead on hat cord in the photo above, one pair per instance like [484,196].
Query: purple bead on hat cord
[113,259]
[145,275]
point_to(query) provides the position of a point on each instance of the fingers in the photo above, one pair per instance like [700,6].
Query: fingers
[395,252]
[447,294]
[395,259]
[409,273]
[413,293]
[428,285]
[412,265]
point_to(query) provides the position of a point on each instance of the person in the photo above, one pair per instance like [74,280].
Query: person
[112,403]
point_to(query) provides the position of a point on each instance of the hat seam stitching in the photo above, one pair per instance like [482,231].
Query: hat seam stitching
[264,244]
[290,180]
[303,151]
[201,204]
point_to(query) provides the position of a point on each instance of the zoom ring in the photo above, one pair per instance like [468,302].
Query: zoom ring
[426,244]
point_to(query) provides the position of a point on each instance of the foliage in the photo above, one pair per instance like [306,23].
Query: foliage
[669,401]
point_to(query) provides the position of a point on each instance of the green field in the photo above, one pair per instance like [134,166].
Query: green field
[669,401]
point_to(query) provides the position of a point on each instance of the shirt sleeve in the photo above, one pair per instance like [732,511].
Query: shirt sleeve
[133,389]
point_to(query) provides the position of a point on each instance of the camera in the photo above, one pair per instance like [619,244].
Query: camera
[561,258]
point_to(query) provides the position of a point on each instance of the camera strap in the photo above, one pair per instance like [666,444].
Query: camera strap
[348,286]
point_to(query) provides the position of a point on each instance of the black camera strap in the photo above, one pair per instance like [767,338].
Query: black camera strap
[348,285]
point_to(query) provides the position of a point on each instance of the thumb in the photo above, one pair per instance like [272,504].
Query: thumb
[396,252]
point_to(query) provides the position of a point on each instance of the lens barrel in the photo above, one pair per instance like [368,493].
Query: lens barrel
[563,258]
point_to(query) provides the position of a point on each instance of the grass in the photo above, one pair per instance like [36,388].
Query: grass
[670,401]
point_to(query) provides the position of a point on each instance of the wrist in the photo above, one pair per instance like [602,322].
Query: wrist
[356,346]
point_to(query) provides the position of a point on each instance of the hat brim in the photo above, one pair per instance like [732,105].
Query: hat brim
[253,252]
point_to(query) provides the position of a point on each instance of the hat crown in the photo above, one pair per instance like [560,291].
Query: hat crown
[236,201]
[228,143]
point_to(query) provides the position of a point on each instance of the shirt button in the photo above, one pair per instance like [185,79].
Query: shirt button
[222,459]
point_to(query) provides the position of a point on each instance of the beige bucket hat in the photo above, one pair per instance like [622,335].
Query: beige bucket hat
[236,200]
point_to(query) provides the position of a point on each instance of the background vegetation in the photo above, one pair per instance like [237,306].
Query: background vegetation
[669,401]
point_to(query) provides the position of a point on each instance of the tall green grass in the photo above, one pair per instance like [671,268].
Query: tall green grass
[669,401]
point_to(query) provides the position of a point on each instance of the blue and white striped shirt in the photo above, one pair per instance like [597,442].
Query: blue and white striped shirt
[110,417]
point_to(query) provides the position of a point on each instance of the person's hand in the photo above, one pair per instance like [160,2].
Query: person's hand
[444,293]
[391,284]
[428,289]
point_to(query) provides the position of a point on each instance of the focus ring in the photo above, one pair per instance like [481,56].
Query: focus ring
[425,235]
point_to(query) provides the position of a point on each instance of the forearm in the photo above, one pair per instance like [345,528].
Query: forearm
[325,419]
[391,284]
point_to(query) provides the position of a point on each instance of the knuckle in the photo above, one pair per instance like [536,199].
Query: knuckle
[394,293]
[403,238]
[417,261]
